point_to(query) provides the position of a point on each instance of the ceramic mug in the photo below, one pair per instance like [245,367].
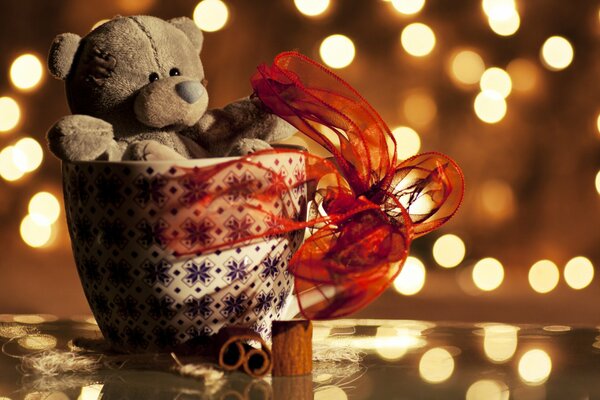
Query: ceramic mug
[123,218]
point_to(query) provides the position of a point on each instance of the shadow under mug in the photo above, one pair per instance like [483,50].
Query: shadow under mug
[121,218]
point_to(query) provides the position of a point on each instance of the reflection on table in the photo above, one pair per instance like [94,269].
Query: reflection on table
[353,359]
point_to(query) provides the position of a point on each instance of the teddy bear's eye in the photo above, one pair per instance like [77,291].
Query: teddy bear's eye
[174,72]
[153,77]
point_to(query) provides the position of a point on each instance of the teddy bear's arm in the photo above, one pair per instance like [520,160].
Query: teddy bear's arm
[241,127]
[151,150]
[82,138]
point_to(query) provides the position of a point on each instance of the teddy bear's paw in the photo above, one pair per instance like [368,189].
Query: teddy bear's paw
[281,130]
[150,150]
[247,146]
[81,124]
[80,138]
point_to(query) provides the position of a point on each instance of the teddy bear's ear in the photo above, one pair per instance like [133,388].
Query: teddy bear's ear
[188,27]
[62,54]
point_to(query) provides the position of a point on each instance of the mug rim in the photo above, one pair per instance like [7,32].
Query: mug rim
[199,162]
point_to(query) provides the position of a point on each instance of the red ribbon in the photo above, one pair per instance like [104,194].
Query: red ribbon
[367,206]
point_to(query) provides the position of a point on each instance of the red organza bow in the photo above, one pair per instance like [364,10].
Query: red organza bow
[366,206]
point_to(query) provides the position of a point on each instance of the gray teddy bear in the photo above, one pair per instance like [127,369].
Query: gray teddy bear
[137,90]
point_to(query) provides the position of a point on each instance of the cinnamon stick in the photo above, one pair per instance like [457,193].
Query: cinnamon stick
[257,363]
[292,348]
[234,352]
[231,355]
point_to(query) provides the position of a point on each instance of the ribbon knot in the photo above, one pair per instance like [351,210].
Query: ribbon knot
[367,205]
[379,204]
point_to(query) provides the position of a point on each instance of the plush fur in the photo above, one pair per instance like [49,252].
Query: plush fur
[137,90]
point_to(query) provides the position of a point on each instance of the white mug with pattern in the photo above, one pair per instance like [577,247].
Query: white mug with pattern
[123,218]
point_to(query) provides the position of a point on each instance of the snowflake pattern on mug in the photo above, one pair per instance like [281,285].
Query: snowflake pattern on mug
[121,217]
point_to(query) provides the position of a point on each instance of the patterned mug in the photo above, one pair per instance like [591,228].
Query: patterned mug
[124,218]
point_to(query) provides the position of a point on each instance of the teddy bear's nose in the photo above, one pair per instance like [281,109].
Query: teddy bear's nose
[189,91]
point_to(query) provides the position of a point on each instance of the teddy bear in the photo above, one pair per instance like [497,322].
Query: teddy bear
[137,91]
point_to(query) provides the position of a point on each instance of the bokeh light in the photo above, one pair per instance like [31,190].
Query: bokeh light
[91,392]
[417,39]
[488,274]
[543,276]
[330,392]
[419,108]
[557,53]
[408,142]
[10,113]
[497,199]
[498,9]
[26,71]
[337,51]
[598,122]
[466,67]
[99,23]
[32,319]
[388,352]
[211,15]
[497,80]
[38,342]
[10,160]
[578,272]
[408,7]
[499,342]
[598,182]
[45,205]
[535,367]
[436,365]
[411,278]
[487,389]
[449,251]
[35,230]
[32,153]
[490,106]
[505,26]
[392,343]
[11,331]
[312,8]
[523,74]
[19,159]
[557,328]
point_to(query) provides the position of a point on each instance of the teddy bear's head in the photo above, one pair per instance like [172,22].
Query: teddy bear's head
[139,73]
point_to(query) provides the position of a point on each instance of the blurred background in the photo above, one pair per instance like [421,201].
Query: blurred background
[509,89]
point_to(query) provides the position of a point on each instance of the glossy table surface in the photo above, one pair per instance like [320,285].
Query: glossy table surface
[354,359]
